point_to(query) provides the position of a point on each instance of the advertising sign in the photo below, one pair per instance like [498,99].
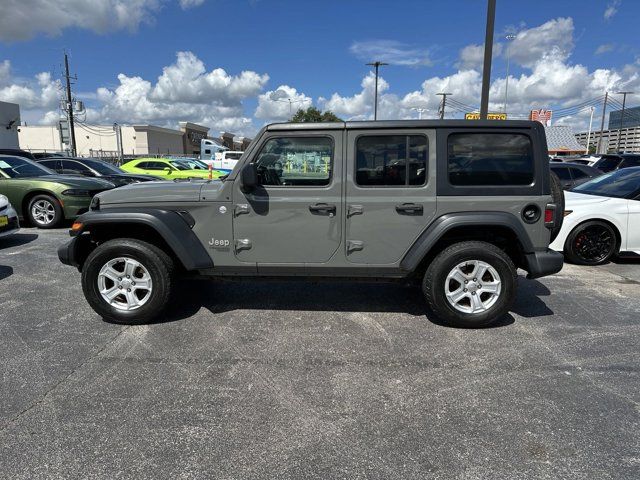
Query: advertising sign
[490,116]
[543,116]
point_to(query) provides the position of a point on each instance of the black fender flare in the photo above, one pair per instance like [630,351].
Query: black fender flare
[174,227]
[439,227]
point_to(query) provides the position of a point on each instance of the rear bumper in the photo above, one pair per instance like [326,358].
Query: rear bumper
[542,263]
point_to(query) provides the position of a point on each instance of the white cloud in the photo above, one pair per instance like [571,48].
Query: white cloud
[552,38]
[40,93]
[23,19]
[472,56]
[358,106]
[188,81]
[390,51]
[611,10]
[273,106]
[186,4]
[604,48]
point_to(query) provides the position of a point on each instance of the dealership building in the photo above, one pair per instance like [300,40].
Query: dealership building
[135,140]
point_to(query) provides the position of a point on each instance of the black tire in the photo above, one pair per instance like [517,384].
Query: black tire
[435,283]
[51,204]
[557,193]
[158,265]
[591,243]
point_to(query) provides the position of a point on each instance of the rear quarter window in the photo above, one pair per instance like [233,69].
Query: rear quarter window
[490,159]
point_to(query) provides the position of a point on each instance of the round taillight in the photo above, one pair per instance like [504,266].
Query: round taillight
[531,213]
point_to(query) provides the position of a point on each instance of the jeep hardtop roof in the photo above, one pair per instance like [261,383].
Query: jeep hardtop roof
[390,124]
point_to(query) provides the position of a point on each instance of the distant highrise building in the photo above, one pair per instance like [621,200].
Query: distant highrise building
[631,118]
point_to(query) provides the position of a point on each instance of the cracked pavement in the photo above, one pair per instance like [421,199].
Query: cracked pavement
[316,380]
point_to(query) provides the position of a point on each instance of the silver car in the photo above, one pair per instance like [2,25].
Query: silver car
[9,223]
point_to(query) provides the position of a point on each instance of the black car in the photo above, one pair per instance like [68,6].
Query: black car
[573,174]
[616,161]
[17,152]
[91,167]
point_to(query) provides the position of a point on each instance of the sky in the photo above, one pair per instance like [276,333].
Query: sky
[235,65]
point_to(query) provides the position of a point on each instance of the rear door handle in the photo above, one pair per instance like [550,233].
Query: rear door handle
[323,208]
[412,208]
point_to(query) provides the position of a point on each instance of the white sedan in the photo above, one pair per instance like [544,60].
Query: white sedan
[9,223]
[602,218]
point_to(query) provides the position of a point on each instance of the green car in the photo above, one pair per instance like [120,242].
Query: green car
[42,196]
[169,168]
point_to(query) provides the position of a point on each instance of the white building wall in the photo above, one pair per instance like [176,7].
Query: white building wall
[40,139]
[9,123]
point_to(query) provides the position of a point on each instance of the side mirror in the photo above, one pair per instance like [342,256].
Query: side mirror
[249,177]
[167,170]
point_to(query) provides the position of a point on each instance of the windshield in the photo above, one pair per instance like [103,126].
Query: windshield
[16,167]
[102,168]
[606,163]
[179,165]
[193,164]
[623,183]
[233,156]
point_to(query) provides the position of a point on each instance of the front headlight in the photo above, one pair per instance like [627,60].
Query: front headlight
[73,192]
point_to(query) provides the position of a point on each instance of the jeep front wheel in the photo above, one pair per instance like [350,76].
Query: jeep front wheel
[470,284]
[127,281]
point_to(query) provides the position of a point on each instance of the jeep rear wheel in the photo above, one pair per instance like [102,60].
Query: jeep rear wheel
[127,281]
[470,284]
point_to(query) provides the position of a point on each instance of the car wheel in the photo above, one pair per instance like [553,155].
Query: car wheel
[557,193]
[591,243]
[128,281]
[470,284]
[45,211]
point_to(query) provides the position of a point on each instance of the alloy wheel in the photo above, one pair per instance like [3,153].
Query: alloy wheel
[594,243]
[43,212]
[473,286]
[125,283]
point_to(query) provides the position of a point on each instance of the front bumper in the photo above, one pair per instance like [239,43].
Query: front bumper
[14,224]
[542,263]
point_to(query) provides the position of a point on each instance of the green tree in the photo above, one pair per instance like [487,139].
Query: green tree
[312,114]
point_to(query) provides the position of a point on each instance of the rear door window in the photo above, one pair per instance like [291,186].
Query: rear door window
[562,173]
[578,174]
[391,160]
[490,159]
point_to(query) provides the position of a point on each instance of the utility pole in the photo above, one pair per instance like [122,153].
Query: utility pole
[589,134]
[443,103]
[604,109]
[624,101]
[72,130]
[118,130]
[508,38]
[488,50]
[377,65]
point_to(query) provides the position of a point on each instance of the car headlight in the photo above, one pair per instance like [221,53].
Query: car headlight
[73,192]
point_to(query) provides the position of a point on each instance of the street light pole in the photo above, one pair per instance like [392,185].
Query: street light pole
[589,134]
[506,84]
[420,111]
[377,65]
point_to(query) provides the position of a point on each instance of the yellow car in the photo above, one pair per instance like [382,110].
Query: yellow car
[169,168]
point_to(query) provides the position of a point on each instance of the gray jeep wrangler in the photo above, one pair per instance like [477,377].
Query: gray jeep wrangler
[457,206]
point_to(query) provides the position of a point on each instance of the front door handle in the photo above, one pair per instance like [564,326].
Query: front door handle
[410,208]
[323,208]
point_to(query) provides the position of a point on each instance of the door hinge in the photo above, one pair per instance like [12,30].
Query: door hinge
[242,244]
[240,209]
[354,246]
[354,210]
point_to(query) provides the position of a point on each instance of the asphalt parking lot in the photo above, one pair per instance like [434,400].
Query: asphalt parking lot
[316,380]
